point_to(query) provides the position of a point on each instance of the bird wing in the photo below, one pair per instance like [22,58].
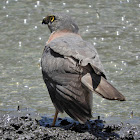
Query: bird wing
[101,86]
[62,77]
[73,46]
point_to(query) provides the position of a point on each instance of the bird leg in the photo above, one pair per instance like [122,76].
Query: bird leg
[55,117]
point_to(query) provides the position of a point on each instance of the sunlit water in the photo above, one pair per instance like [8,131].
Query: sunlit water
[113,26]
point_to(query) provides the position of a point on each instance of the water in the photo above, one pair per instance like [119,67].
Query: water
[113,28]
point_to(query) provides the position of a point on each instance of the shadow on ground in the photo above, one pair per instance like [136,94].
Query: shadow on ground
[92,129]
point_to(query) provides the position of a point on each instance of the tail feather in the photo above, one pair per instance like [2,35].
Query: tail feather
[102,87]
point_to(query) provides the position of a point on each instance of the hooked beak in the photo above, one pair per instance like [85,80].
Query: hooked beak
[45,20]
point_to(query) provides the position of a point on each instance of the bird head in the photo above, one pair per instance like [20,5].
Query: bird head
[60,22]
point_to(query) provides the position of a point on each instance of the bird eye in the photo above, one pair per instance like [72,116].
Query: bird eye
[52,18]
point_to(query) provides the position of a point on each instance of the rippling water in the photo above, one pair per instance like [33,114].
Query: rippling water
[113,26]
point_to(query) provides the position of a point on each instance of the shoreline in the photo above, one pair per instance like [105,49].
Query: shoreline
[27,127]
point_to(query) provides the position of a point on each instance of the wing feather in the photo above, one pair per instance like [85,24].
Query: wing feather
[74,46]
[70,64]
[62,77]
[102,87]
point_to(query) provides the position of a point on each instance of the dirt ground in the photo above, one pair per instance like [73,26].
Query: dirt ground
[27,128]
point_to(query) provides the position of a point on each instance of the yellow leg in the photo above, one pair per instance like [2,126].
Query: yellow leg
[55,117]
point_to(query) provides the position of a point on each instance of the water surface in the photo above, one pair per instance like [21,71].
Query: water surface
[113,28]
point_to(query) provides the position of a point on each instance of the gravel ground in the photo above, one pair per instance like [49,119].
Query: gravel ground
[27,128]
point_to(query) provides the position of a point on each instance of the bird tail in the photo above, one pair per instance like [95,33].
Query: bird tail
[101,86]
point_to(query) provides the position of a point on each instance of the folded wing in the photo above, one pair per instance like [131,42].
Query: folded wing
[101,86]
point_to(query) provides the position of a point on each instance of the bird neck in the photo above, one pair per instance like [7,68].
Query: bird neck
[57,34]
